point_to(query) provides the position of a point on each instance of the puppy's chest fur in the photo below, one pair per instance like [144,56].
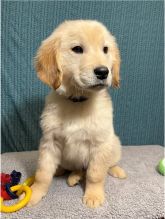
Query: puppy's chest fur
[80,139]
[80,129]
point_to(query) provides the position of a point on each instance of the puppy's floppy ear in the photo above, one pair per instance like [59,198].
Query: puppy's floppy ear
[47,63]
[116,66]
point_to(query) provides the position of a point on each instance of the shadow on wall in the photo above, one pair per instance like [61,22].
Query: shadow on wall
[20,126]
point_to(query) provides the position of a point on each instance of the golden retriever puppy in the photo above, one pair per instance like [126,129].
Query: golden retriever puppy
[79,61]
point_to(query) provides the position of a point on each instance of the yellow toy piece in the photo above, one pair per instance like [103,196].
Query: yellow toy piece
[28,182]
[19,188]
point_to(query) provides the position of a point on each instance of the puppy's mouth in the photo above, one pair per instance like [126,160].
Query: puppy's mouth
[98,86]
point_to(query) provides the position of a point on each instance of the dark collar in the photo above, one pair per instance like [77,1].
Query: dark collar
[77,99]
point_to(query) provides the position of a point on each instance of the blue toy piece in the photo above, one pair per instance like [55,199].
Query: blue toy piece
[9,192]
[16,176]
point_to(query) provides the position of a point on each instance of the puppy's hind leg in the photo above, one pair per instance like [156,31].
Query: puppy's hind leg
[75,177]
[47,165]
[117,172]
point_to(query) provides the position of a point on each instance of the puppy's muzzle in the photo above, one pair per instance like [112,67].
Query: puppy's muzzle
[101,72]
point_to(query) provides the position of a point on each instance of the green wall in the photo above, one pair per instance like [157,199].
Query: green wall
[138,104]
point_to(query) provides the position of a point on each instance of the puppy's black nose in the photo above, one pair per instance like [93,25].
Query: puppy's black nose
[101,72]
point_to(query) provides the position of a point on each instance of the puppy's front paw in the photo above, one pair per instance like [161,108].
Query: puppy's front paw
[93,200]
[37,194]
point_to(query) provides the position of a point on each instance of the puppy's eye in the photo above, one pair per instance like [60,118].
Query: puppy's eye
[105,49]
[77,49]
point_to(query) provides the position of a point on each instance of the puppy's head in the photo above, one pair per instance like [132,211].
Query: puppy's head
[79,54]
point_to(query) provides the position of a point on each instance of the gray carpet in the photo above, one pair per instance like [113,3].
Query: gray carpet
[139,196]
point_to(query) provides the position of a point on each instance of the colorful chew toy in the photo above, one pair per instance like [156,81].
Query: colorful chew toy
[161,167]
[10,190]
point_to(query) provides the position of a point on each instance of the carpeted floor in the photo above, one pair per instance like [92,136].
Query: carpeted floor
[139,196]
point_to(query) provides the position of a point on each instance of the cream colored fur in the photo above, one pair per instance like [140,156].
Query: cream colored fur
[78,136]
